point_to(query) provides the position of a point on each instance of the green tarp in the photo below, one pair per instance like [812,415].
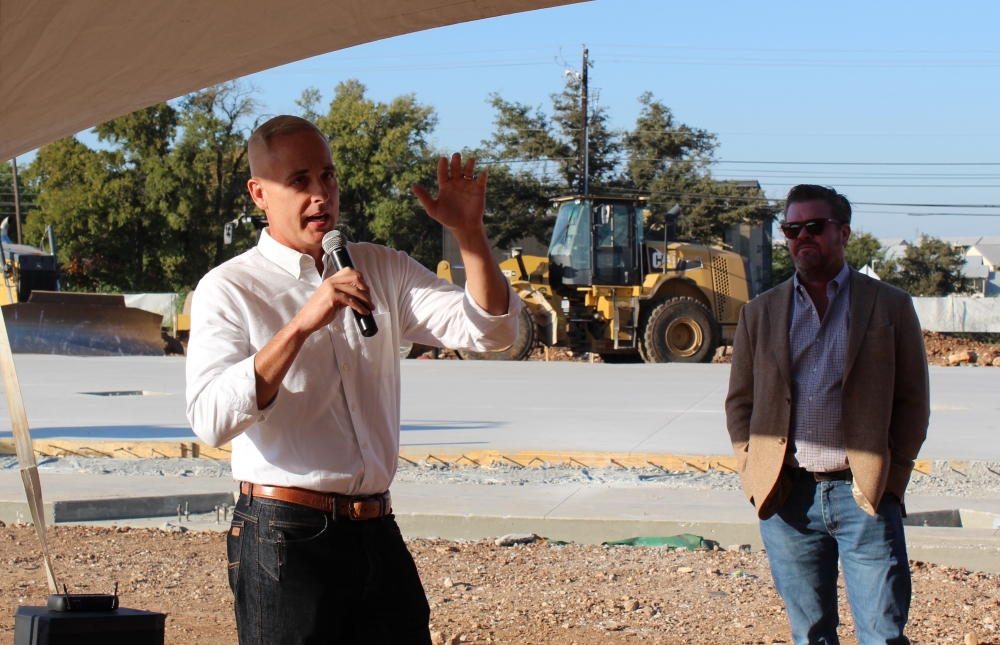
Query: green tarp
[686,541]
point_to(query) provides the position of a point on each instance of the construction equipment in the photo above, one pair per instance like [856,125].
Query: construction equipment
[606,290]
[43,320]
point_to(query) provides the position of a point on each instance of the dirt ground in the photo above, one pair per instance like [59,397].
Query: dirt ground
[939,348]
[482,593]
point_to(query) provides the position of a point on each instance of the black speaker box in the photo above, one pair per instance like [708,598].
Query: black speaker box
[40,626]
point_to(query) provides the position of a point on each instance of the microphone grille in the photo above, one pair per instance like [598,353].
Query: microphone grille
[333,241]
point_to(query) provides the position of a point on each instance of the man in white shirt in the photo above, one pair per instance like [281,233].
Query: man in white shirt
[276,365]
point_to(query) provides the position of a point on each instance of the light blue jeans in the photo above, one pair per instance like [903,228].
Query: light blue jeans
[819,522]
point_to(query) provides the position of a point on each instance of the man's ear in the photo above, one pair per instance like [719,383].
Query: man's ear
[257,194]
[847,234]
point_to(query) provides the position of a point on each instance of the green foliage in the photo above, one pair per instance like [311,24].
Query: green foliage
[659,157]
[931,268]
[26,197]
[864,249]
[380,150]
[782,267]
[148,214]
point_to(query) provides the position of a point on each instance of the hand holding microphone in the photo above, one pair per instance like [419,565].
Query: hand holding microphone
[336,246]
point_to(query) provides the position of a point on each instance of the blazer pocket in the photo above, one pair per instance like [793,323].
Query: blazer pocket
[881,332]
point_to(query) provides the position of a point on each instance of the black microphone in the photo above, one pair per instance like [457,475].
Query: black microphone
[335,244]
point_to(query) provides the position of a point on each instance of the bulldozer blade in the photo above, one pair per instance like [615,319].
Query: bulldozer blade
[87,327]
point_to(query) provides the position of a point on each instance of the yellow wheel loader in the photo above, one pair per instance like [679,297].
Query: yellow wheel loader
[605,289]
[41,319]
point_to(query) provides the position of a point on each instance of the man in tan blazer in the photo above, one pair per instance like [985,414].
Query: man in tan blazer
[828,406]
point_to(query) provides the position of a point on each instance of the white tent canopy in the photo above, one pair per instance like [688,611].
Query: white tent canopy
[67,65]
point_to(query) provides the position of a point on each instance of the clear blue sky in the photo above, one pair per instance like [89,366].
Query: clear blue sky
[786,81]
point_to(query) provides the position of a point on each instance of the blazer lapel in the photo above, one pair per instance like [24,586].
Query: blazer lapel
[780,309]
[862,303]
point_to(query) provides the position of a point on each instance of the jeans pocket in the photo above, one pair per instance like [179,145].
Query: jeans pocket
[234,549]
[283,538]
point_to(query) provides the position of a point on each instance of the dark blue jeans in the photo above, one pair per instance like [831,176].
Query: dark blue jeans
[301,576]
[819,522]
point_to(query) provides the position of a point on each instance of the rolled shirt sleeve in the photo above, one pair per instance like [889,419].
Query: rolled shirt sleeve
[437,312]
[221,380]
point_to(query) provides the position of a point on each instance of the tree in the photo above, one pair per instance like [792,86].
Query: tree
[205,184]
[148,213]
[782,267]
[380,150]
[26,197]
[931,267]
[660,157]
[864,249]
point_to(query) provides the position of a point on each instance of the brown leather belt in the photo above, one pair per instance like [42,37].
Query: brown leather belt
[360,507]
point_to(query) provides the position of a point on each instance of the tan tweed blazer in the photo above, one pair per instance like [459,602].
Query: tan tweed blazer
[885,396]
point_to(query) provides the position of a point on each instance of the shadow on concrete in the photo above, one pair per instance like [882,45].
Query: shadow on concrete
[110,432]
[445,443]
[413,426]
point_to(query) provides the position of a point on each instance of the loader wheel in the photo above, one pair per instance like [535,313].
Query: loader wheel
[519,351]
[681,330]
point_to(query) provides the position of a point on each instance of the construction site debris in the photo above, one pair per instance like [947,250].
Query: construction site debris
[942,349]
[516,538]
[536,593]
[964,357]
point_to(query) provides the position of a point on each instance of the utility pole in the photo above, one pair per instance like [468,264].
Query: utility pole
[584,128]
[17,201]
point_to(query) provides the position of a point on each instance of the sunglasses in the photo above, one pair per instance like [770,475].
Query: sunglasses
[814,227]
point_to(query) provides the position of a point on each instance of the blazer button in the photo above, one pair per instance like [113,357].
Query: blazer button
[781,441]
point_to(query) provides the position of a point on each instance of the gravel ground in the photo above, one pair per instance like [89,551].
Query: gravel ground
[978,479]
[482,593]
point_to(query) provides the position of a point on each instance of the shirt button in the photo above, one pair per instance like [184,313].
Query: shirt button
[810,398]
[353,408]
[781,441]
[814,369]
[364,446]
[336,328]
[347,367]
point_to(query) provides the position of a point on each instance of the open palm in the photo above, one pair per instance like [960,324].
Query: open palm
[461,199]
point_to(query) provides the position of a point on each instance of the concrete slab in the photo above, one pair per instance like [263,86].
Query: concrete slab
[583,514]
[468,405]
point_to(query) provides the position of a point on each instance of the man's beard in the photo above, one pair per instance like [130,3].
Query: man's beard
[813,267]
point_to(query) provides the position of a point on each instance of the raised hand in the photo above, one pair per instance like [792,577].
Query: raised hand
[461,200]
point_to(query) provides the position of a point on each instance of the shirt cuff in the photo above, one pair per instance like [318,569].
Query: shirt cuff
[243,380]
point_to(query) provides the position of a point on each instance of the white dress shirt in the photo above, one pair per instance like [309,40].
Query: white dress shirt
[334,424]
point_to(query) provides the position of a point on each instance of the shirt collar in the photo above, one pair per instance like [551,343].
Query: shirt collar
[840,280]
[286,258]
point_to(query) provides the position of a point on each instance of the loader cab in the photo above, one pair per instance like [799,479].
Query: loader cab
[596,241]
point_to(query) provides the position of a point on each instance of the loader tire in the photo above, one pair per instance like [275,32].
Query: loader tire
[519,351]
[680,330]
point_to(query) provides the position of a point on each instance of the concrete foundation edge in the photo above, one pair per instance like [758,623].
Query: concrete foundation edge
[972,549]
[112,508]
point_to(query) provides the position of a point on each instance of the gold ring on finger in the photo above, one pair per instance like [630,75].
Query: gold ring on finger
[464,176]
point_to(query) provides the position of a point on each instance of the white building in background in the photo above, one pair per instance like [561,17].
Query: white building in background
[982,261]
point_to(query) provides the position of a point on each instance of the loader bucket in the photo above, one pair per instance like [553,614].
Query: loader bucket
[81,324]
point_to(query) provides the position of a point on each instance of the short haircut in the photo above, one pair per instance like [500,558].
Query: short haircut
[279,126]
[839,204]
